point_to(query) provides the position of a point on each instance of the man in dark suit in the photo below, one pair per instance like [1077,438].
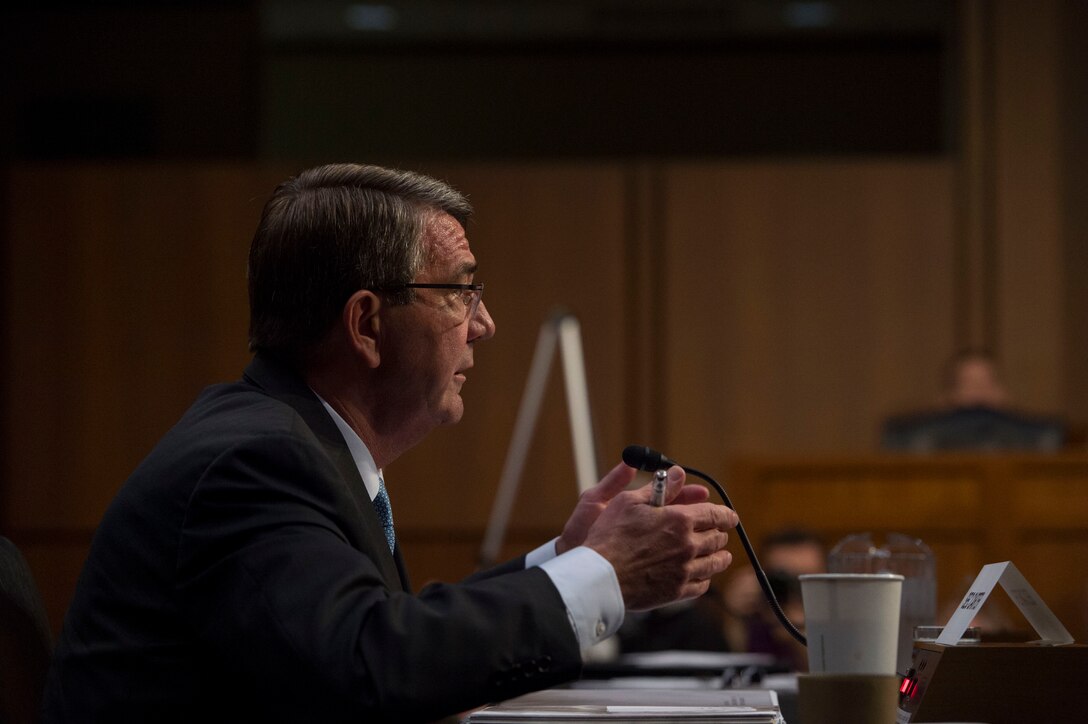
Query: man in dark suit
[248,569]
[975,415]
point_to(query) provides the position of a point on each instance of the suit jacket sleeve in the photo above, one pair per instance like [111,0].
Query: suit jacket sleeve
[278,576]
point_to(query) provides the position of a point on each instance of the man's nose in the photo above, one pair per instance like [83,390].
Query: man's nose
[482,325]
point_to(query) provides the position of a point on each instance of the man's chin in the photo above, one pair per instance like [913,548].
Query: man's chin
[453,412]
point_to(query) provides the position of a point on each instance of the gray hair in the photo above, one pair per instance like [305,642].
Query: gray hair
[325,234]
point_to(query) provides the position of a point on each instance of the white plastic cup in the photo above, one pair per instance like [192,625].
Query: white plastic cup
[852,622]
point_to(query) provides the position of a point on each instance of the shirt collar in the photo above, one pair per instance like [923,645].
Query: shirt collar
[364,461]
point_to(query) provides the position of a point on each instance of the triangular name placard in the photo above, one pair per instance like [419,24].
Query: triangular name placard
[1038,614]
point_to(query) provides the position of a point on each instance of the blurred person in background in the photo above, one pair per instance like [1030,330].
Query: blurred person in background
[750,623]
[974,414]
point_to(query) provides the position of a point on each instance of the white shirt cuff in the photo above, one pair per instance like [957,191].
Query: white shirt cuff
[545,552]
[587,583]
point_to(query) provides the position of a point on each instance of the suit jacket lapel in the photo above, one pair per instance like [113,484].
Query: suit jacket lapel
[402,569]
[289,388]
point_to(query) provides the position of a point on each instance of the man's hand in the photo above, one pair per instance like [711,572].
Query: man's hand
[593,502]
[660,554]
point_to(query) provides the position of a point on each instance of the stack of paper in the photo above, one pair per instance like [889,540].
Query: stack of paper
[672,669]
[622,706]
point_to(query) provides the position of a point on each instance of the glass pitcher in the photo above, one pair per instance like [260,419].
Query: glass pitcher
[901,554]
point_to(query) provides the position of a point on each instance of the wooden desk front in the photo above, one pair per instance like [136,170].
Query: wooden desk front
[970,509]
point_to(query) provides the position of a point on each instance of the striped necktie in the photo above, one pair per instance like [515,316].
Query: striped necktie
[385,514]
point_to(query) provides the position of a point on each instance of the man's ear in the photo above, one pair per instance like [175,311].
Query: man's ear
[362,323]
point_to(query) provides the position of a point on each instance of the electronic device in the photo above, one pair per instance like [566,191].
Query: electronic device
[996,683]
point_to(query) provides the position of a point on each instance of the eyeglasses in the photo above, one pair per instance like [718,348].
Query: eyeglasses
[470,295]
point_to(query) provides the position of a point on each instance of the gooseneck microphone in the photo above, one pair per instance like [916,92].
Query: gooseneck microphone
[644,458]
[641,457]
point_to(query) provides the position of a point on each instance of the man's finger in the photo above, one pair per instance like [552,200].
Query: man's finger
[706,567]
[675,483]
[691,494]
[614,482]
[709,515]
[710,541]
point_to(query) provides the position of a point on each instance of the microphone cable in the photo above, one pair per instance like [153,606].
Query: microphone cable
[644,458]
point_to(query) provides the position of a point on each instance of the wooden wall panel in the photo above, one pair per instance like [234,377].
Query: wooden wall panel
[1073,68]
[970,510]
[125,295]
[1055,566]
[547,237]
[803,301]
[1024,141]
[782,307]
[1029,200]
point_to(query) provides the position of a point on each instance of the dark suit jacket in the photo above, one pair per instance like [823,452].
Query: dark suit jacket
[241,574]
[972,429]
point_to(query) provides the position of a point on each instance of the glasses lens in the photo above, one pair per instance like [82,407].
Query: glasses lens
[468,294]
[474,302]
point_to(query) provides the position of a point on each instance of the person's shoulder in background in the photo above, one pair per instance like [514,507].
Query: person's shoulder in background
[973,428]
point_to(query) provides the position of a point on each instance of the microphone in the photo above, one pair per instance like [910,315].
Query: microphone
[641,457]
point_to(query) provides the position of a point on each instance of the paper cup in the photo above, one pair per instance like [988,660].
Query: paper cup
[847,698]
[852,622]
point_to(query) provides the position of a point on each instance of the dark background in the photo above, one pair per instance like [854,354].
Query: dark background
[476,79]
